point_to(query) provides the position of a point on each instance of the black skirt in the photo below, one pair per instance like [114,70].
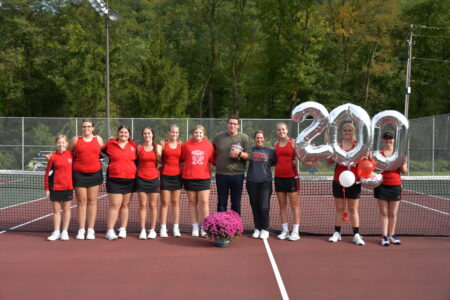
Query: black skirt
[66,195]
[197,184]
[87,179]
[388,192]
[120,185]
[352,192]
[287,184]
[171,183]
[147,186]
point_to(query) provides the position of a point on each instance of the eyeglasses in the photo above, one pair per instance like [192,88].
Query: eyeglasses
[87,126]
[348,130]
[234,124]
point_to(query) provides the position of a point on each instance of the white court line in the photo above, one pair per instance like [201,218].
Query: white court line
[27,202]
[284,294]
[433,196]
[426,207]
[40,218]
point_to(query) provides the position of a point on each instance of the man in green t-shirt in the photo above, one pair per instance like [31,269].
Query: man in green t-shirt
[232,151]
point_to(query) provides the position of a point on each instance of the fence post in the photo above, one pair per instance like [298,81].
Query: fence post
[132,129]
[187,129]
[23,143]
[76,126]
[432,147]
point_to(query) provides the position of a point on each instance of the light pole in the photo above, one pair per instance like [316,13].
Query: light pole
[102,7]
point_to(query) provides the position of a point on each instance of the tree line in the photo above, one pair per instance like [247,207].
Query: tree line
[212,58]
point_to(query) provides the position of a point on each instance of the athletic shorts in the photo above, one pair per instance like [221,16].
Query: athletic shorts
[353,192]
[287,184]
[197,184]
[171,183]
[388,192]
[66,195]
[147,186]
[87,179]
[120,185]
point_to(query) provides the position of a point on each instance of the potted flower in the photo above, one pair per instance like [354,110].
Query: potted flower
[223,227]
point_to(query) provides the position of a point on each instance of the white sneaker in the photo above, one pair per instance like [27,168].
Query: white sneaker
[203,233]
[54,236]
[357,239]
[64,235]
[195,232]
[264,234]
[335,237]
[176,232]
[256,234]
[294,236]
[283,235]
[111,235]
[163,233]
[80,234]
[151,234]
[122,233]
[143,234]
[90,234]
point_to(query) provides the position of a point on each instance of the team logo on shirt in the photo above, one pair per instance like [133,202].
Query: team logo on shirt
[132,149]
[198,157]
[69,160]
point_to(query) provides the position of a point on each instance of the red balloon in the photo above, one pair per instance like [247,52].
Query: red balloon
[365,168]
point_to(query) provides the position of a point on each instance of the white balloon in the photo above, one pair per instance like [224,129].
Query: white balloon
[305,150]
[347,179]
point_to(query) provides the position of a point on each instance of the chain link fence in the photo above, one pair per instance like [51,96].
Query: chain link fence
[24,141]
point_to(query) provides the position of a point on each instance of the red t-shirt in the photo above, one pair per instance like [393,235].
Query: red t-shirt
[391,177]
[171,159]
[87,156]
[121,161]
[147,164]
[285,155]
[197,158]
[340,168]
[60,179]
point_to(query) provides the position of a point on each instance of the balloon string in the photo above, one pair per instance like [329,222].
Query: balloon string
[344,214]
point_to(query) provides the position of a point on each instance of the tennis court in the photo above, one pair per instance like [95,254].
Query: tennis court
[188,267]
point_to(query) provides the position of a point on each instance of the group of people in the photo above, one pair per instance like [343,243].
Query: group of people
[170,165]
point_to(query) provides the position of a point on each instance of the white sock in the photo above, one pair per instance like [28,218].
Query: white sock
[195,226]
[295,227]
[285,227]
[163,227]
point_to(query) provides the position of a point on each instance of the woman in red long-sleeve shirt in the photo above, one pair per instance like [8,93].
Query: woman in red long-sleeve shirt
[87,176]
[58,186]
[147,181]
[120,180]
[197,155]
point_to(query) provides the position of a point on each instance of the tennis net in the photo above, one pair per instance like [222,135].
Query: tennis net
[424,210]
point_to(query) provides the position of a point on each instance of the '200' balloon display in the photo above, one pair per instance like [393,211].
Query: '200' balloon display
[365,130]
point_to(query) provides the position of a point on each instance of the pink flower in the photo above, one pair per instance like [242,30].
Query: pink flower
[227,225]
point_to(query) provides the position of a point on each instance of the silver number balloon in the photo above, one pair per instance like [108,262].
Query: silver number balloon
[306,151]
[361,120]
[372,182]
[380,123]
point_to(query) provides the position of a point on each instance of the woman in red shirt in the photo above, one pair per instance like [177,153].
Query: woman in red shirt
[287,185]
[87,176]
[171,180]
[351,194]
[197,155]
[389,194]
[58,186]
[120,180]
[147,181]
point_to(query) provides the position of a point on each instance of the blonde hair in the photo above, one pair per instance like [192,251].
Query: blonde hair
[202,129]
[61,136]
[349,124]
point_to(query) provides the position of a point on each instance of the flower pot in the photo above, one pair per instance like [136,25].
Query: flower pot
[221,243]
